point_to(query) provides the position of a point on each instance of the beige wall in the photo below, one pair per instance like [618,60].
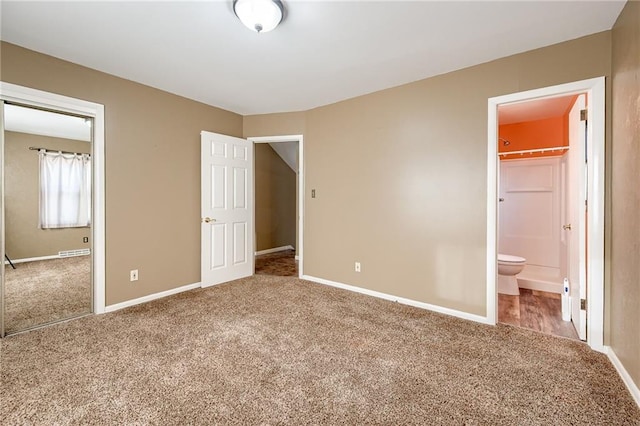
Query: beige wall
[275,193]
[400,175]
[280,124]
[152,169]
[625,221]
[23,238]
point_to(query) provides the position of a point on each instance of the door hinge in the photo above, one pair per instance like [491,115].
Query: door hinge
[583,115]
[583,304]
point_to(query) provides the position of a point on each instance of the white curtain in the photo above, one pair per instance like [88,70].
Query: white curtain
[65,190]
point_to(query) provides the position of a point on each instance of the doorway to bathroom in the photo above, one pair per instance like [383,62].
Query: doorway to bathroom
[547,149]
[537,143]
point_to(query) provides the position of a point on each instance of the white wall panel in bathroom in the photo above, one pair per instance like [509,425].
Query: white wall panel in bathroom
[530,220]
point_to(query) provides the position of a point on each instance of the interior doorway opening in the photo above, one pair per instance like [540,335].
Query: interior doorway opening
[541,164]
[278,207]
[589,286]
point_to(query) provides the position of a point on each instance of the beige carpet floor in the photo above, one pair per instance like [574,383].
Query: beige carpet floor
[276,350]
[45,291]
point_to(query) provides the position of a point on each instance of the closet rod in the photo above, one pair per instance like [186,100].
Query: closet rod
[33,148]
[531,151]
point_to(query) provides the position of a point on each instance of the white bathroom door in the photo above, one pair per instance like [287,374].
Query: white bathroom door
[577,209]
[565,217]
[227,208]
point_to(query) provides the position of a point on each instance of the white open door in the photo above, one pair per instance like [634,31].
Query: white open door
[226,207]
[577,209]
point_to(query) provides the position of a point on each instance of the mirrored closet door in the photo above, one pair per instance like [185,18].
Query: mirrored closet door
[47,201]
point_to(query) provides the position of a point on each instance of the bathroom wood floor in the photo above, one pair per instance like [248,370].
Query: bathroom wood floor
[536,310]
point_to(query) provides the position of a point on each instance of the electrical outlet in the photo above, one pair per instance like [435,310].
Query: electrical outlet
[313,193]
[85,240]
[133,275]
[358,268]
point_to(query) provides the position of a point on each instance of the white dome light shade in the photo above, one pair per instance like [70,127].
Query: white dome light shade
[259,15]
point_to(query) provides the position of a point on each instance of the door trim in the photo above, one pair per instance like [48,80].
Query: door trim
[38,98]
[300,140]
[595,89]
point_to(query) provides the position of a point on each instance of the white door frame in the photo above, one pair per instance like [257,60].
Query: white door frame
[595,89]
[38,98]
[300,140]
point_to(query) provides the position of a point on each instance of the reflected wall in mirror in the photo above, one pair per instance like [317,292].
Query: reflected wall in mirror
[47,200]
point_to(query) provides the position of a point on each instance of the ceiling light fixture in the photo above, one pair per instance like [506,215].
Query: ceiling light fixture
[260,16]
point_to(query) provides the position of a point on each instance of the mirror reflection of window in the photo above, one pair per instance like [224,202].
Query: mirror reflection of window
[48,193]
[65,189]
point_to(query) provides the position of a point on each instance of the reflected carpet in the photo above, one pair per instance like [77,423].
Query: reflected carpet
[46,290]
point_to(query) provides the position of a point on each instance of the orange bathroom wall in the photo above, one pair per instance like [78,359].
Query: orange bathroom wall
[545,133]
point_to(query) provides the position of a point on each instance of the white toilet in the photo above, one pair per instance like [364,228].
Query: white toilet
[508,267]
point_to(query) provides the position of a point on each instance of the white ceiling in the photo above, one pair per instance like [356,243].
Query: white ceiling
[323,52]
[45,123]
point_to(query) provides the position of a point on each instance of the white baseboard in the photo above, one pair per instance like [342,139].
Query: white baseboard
[33,259]
[150,297]
[422,305]
[36,259]
[626,378]
[274,250]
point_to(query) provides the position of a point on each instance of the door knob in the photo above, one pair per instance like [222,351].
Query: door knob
[566,227]
[208,220]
